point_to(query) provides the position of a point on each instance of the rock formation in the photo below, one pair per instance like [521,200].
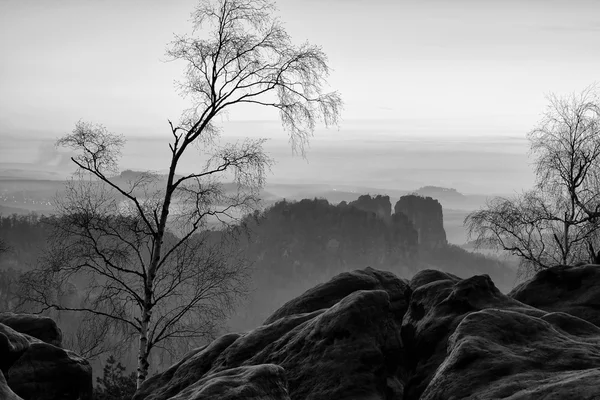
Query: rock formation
[33,364]
[427,217]
[572,290]
[346,347]
[380,205]
[5,392]
[38,326]
[367,334]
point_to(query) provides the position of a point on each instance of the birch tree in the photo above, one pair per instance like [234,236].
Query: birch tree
[558,221]
[141,248]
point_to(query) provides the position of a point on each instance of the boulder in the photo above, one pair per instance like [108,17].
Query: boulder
[329,293]
[12,345]
[347,346]
[426,276]
[255,382]
[369,335]
[47,372]
[437,306]
[5,392]
[573,290]
[351,350]
[498,354]
[38,326]
[186,372]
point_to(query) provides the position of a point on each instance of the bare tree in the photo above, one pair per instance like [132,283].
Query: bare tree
[92,336]
[558,221]
[141,248]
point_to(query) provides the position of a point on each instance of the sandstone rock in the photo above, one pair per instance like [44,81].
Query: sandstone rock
[460,339]
[496,354]
[47,372]
[380,205]
[186,372]
[256,382]
[574,290]
[12,345]
[327,294]
[5,392]
[38,326]
[350,350]
[426,276]
[435,310]
[427,217]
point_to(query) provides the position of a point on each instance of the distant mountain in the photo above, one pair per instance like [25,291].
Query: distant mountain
[451,198]
[31,171]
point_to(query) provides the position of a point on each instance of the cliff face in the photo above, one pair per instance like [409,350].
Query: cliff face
[380,205]
[368,334]
[427,217]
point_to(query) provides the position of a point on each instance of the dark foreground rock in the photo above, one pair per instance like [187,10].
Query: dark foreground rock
[499,354]
[35,369]
[5,392]
[12,346]
[369,335]
[255,382]
[573,290]
[344,349]
[329,293]
[38,326]
[436,308]
[48,372]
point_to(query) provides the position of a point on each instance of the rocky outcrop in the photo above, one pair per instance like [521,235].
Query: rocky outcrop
[39,369]
[499,354]
[255,382]
[328,294]
[427,217]
[370,335]
[572,290]
[5,392]
[438,304]
[49,372]
[427,276]
[346,347]
[380,205]
[12,346]
[40,327]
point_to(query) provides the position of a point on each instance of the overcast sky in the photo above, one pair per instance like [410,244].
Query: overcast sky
[427,67]
[463,59]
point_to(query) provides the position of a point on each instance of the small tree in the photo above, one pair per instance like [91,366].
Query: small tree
[141,246]
[115,383]
[558,221]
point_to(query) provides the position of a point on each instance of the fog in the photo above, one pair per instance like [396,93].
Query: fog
[393,155]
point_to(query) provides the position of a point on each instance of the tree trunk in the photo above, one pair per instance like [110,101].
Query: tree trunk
[143,353]
[566,241]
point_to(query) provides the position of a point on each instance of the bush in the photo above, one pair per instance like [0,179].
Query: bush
[114,384]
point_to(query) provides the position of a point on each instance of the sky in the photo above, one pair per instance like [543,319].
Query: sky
[461,71]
